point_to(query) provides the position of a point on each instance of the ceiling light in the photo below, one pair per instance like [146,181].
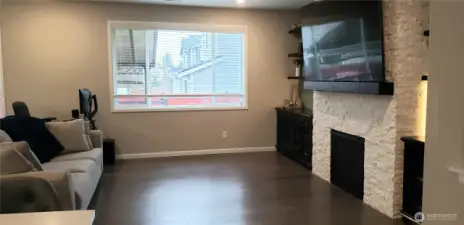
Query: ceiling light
[240,2]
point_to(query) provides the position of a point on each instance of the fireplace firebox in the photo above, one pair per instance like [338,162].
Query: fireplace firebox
[347,162]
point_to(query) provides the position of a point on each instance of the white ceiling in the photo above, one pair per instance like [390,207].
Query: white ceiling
[261,4]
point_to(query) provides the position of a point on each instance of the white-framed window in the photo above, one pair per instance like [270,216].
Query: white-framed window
[177,66]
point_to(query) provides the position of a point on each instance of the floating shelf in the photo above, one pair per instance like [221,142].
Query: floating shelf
[295,31]
[294,78]
[427,33]
[296,55]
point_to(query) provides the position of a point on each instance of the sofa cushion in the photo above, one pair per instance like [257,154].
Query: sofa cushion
[12,162]
[74,166]
[4,137]
[87,128]
[96,137]
[23,148]
[33,131]
[71,134]
[95,154]
[85,185]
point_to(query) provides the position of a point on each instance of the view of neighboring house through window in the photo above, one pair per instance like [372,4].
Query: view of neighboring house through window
[174,69]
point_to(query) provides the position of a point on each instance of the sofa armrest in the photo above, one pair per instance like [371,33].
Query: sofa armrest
[59,180]
[27,194]
[97,138]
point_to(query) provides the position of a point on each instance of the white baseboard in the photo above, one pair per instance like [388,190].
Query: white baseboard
[194,152]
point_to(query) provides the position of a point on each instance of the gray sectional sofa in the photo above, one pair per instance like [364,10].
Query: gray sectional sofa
[67,182]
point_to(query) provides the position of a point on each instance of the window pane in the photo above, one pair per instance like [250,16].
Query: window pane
[186,61]
[133,60]
[229,70]
[173,62]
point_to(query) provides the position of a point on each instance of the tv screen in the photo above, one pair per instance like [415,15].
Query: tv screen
[345,50]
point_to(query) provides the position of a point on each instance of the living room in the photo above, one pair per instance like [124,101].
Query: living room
[51,49]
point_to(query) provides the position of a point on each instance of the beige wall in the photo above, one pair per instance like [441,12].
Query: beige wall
[445,123]
[52,49]
[2,91]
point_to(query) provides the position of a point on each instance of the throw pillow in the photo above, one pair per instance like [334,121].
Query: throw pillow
[23,148]
[12,162]
[4,137]
[33,131]
[87,133]
[70,134]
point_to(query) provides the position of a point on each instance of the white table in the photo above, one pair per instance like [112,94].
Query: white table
[49,218]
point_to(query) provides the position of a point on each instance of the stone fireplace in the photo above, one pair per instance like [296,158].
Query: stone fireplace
[379,120]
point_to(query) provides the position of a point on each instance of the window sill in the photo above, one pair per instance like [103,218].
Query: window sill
[179,109]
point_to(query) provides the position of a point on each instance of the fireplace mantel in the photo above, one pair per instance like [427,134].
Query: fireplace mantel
[372,88]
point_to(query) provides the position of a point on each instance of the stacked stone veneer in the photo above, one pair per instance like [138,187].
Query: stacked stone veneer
[381,120]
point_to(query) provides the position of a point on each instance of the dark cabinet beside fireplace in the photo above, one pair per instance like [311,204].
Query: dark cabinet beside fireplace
[413,176]
[294,135]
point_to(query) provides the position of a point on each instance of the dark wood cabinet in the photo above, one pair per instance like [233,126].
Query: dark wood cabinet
[294,135]
[413,176]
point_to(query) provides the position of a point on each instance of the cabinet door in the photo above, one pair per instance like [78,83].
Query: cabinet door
[285,132]
[280,131]
[309,142]
[413,177]
[304,153]
[294,136]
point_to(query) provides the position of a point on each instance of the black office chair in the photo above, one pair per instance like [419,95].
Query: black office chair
[21,109]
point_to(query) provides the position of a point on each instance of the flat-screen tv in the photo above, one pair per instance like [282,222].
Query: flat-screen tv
[346,48]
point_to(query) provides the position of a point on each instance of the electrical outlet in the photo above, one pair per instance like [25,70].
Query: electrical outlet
[224,134]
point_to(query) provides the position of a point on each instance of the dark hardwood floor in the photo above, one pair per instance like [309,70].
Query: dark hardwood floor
[235,189]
